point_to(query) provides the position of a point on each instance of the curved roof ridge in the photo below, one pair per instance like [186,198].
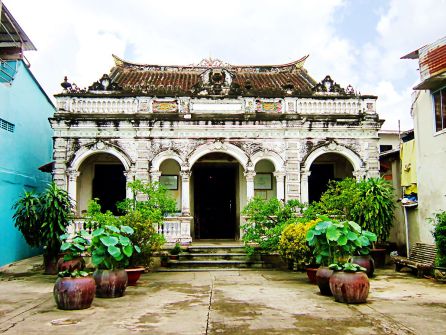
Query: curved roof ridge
[212,63]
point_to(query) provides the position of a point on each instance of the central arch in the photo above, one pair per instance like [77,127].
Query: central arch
[216,196]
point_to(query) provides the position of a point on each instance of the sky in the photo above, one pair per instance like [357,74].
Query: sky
[357,42]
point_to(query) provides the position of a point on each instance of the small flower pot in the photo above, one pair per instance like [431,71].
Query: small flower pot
[133,275]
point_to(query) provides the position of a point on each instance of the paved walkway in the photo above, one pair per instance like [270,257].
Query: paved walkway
[223,302]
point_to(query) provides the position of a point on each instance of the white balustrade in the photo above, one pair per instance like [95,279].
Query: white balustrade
[98,105]
[329,107]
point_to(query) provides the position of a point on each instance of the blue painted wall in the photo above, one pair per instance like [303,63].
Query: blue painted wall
[24,104]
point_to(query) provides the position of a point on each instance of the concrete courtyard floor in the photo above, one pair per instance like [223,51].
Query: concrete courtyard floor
[223,302]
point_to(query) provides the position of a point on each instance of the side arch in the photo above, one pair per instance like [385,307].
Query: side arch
[161,157]
[352,157]
[272,156]
[85,152]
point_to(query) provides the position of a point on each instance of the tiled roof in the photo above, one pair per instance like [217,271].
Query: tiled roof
[263,80]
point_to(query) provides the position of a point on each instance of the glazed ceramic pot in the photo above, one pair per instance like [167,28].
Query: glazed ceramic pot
[366,262]
[74,293]
[323,275]
[311,274]
[77,263]
[110,283]
[350,287]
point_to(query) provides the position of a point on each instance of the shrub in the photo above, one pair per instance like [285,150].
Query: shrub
[293,246]
[440,238]
[266,220]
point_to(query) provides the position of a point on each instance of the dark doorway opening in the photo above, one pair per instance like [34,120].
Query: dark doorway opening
[320,175]
[109,186]
[214,201]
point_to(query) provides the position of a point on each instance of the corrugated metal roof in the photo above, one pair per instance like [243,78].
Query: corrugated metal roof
[11,34]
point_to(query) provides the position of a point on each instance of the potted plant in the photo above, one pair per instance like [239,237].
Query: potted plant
[175,251]
[294,248]
[111,249]
[335,241]
[73,250]
[42,219]
[74,289]
[144,214]
[362,254]
[369,202]
[349,283]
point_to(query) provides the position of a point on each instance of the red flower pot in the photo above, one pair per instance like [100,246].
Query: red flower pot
[133,275]
[350,287]
[74,293]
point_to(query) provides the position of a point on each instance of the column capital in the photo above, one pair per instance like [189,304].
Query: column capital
[73,174]
[305,175]
[249,175]
[185,175]
[279,174]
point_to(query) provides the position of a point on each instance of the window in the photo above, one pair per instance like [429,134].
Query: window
[440,109]
[385,147]
[7,125]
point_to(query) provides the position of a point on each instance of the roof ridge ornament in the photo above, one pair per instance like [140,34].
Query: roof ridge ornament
[211,63]
[329,87]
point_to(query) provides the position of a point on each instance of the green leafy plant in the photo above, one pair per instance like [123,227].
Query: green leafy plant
[265,221]
[347,267]
[43,218]
[144,213]
[334,241]
[176,250]
[76,246]
[369,202]
[374,207]
[440,238]
[111,248]
[293,246]
[74,274]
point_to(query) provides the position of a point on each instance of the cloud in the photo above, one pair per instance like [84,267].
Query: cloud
[77,37]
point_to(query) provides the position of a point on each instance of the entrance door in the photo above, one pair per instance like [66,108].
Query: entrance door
[214,201]
[109,186]
[318,180]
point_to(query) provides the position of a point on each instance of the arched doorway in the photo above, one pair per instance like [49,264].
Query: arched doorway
[170,178]
[215,185]
[326,167]
[101,176]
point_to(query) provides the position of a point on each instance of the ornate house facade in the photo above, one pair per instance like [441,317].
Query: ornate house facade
[215,135]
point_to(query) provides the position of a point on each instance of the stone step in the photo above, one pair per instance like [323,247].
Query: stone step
[194,264]
[218,249]
[215,256]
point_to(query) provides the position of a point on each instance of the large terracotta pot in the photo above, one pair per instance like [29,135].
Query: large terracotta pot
[133,275]
[110,283]
[74,293]
[350,287]
[379,256]
[311,274]
[323,275]
[366,262]
[77,263]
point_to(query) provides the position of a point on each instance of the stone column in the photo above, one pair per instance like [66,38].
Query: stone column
[185,192]
[304,186]
[129,177]
[249,175]
[72,185]
[155,176]
[280,187]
